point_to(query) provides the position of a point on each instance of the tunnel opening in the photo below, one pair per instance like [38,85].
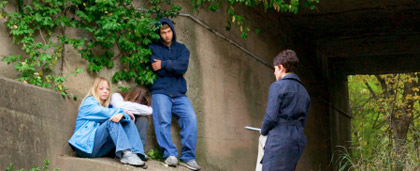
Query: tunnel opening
[385,123]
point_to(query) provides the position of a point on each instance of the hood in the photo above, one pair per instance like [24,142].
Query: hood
[169,22]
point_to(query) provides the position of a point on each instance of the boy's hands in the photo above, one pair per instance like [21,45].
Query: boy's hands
[117,117]
[157,64]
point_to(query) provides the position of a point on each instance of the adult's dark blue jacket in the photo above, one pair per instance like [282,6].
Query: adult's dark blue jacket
[175,60]
[284,121]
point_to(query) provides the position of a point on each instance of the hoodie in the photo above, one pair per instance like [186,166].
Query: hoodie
[175,58]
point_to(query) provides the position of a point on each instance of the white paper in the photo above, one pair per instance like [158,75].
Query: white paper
[253,128]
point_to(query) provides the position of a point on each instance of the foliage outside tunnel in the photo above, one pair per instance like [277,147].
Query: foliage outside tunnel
[386,123]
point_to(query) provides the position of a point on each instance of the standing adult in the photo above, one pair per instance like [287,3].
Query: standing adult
[170,61]
[285,116]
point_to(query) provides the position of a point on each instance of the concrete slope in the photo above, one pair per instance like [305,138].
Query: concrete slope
[70,163]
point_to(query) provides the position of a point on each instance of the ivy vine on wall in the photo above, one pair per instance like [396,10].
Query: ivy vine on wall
[39,28]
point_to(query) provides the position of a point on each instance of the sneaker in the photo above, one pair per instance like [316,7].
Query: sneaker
[171,161]
[132,159]
[190,165]
[143,157]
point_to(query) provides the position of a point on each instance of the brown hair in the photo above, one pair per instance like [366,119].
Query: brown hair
[165,26]
[288,59]
[139,95]
[93,91]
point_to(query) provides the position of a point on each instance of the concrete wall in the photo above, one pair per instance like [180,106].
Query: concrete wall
[340,113]
[227,86]
[228,89]
[317,154]
[35,124]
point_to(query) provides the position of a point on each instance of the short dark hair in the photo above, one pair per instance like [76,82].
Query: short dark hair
[288,59]
[165,26]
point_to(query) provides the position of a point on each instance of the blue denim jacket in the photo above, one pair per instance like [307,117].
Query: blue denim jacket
[91,115]
[288,104]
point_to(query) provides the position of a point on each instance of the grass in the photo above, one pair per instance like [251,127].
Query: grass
[382,157]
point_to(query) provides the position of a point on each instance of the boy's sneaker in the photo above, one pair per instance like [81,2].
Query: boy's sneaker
[190,165]
[132,159]
[171,161]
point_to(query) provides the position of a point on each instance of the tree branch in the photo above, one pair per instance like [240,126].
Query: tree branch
[42,36]
[378,125]
[418,114]
[376,119]
[370,98]
[370,90]
[383,85]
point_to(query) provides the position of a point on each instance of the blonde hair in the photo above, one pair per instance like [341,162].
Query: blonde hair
[93,91]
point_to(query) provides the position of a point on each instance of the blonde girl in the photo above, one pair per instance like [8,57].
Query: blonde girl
[101,128]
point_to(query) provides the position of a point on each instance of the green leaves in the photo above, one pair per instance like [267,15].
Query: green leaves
[239,20]
[34,168]
[382,105]
[155,154]
[2,4]
[117,24]
[110,23]
[311,4]
[117,31]
[36,19]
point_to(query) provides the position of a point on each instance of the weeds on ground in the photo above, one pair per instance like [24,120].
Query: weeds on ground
[34,168]
[383,157]
[155,154]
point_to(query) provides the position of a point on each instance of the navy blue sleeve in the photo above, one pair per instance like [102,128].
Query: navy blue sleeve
[180,65]
[308,104]
[272,110]
[160,72]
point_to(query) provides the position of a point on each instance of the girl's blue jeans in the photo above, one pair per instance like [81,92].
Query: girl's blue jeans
[121,135]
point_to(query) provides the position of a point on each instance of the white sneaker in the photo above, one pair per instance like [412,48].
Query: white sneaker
[132,159]
[190,165]
[171,161]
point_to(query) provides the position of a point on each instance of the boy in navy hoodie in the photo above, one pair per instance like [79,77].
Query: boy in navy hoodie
[170,61]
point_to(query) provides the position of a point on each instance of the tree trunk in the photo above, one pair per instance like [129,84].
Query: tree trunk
[400,128]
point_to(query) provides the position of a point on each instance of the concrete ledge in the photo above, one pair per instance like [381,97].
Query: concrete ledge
[35,124]
[108,164]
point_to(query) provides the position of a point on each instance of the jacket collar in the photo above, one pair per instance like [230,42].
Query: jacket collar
[291,76]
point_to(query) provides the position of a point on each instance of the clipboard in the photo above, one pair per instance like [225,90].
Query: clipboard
[252,128]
